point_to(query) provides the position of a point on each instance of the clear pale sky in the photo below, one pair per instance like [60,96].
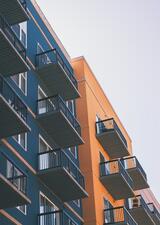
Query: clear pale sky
[121,41]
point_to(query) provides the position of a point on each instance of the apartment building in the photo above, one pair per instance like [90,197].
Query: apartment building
[115,180]
[40,179]
[65,157]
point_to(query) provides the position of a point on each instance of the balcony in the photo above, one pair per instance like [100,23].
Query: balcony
[57,171]
[55,218]
[59,122]
[116,179]
[136,172]
[119,216]
[56,75]
[155,213]
[14,11]
[140,211]
[13,112]
[13,183]
[12,51]
[111,138]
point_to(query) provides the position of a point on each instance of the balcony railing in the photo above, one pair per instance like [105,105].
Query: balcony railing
[52,56]
[5,27]
[137,202]
[12,98]
[118,215]
[14,175]
[109,125]
[115,167]
[154,211]
[56,104]
[59,159]
[132,162]
[55,218]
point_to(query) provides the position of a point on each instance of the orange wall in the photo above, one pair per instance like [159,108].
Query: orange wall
[93,102]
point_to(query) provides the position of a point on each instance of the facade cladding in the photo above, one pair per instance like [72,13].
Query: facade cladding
[65,157]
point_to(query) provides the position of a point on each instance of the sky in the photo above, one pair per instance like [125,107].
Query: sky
[121,41]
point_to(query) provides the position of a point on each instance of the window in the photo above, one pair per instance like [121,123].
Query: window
[21,140]
[43,145]
[77,202]
[102,158]
[23,209]
[47,206]
[73,151]
[21,32]
[108,213]
[71,105]
[21,81]
[43,58]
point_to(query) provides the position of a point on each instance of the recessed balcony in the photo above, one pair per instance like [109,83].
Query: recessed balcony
[13,184]
[15,11]
[57,171]
[59,122]
[59,217]
[140,211]
[12,51]
[136,172]
[155,213]
[13,112]
[116,179]
[118,216]
[111,138]
[56,75]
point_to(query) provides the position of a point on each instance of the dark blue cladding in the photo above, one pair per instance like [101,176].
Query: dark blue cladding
[23,149]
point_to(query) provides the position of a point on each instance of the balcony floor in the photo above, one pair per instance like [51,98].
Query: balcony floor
[11,61]
[57,81]
[62,183]
[139,181]
[10,122]
[113,144]
[117,186]
[141,216]
[13,11]
[60,129]
[9,195]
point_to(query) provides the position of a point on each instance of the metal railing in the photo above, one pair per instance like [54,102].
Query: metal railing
[138,201]
[52,56]
[55,104]
[132,162]
[115,167]
[12,98]
[13,174]
[59,159]
[154,210]
[23,3]
[5,27]
[109,125]
[118,215]
[55,218]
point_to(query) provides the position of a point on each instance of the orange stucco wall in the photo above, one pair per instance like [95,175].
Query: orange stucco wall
[93,102]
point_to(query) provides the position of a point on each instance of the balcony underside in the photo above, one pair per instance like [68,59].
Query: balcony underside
[10,122]
[113,144]
[63,184]
[13,11]
[117,186]
[60,129]
[57,81]
[141,216]
[9,195]
[11,61]
[139,181]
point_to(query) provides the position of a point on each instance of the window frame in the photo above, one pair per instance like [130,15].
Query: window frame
[18,141]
